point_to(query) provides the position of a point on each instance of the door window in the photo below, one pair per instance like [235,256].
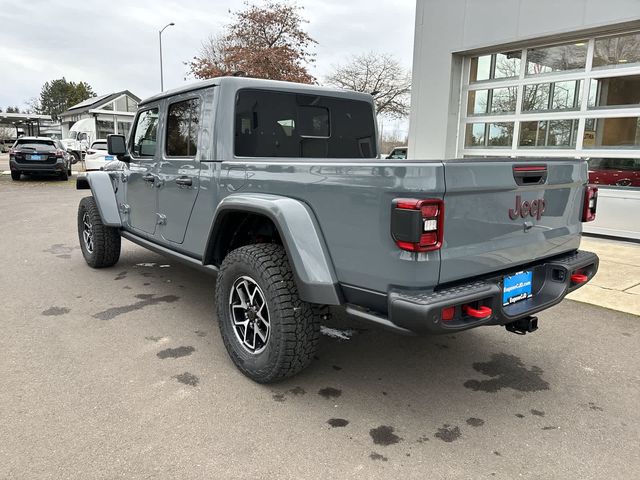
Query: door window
[182,128]
[145,134]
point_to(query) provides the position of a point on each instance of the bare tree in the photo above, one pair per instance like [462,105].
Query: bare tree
[379,74]
[265,40]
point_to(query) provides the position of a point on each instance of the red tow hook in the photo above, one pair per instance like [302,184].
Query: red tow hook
[579,278]
[482,312]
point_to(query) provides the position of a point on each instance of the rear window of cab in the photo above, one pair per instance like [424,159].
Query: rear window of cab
[285,124]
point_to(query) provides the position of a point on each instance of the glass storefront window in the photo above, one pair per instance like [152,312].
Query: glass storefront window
[614,91]
[480,68]
[494,101]
[621,172]
[549,133]
[478,101]
[612,133]
[503,100]
[475,135]
[499,134]
[507,65]
[557,58]
[500,65]
[617,51]
[551,96]
[104,127]
[536,97]
[565,95]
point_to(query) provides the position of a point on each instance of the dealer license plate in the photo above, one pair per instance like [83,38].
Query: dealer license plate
[35,157]
[517,287]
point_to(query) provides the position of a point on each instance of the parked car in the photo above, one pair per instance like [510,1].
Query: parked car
[97,156]
[621,172]
[289,206]
[398,153]
[42,155]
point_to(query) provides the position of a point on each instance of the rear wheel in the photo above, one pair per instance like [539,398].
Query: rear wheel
[64,175]
[100,244]
[15,175]
[268,331]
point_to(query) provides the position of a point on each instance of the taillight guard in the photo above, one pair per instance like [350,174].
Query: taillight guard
[418,225]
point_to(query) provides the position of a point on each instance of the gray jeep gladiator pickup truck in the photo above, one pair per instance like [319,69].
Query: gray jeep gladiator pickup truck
[276,188]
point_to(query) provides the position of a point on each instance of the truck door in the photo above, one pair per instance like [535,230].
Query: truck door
[141,179]
[179,166]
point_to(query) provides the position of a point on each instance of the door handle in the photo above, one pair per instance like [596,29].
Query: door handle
[184,181]
[149,178]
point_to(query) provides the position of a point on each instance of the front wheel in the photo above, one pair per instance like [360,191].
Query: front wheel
[100,244]
[15,175]
[268,331]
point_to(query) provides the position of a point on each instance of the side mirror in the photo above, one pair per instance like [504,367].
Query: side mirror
[117,145]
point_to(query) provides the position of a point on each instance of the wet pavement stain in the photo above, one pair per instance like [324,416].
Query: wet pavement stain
[626,334]
[121,275]
[496,453]
[59,249]
[65,255]
[279,397]
[448,434]
[423,439]
[146,300]
[55,311]
[153,339]
[200,333]
[188,379]
[442,346]
[550,427]
[593,406]
[336,368]
[475,422]
[519,415]
[338,422]
[377,456]
[383,435]
[297,391]
[175,352]
[127,287]
[329,392]
[507,371]
[537,413]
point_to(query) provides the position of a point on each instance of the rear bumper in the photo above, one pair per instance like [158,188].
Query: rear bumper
[421,311]
[56,167]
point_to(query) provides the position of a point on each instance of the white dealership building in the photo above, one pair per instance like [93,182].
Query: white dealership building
[534,78]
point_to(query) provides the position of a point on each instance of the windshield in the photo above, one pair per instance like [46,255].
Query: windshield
[72,135]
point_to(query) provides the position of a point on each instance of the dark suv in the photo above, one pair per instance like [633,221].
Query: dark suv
[39,155]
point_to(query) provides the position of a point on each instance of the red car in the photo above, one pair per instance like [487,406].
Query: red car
[622,172]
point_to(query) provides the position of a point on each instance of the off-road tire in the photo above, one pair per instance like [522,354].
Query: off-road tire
[106,240]
[15,175]
[294,324]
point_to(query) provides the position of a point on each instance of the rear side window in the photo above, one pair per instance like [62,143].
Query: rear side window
[277,124]
[145,133]
[99,145]
[182,128]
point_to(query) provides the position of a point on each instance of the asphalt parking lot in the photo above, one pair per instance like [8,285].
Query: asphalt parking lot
[121,373]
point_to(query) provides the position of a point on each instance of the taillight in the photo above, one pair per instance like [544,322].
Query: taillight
[59,153]
[417,225]
[590,204]
[12,151]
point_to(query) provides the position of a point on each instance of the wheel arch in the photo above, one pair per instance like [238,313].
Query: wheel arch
[293,225]
[101,188]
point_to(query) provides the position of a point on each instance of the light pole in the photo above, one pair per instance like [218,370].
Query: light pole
[160,38]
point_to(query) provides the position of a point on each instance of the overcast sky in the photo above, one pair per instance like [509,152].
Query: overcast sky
[113,44]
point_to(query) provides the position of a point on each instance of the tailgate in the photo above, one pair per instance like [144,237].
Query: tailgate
[504,213]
